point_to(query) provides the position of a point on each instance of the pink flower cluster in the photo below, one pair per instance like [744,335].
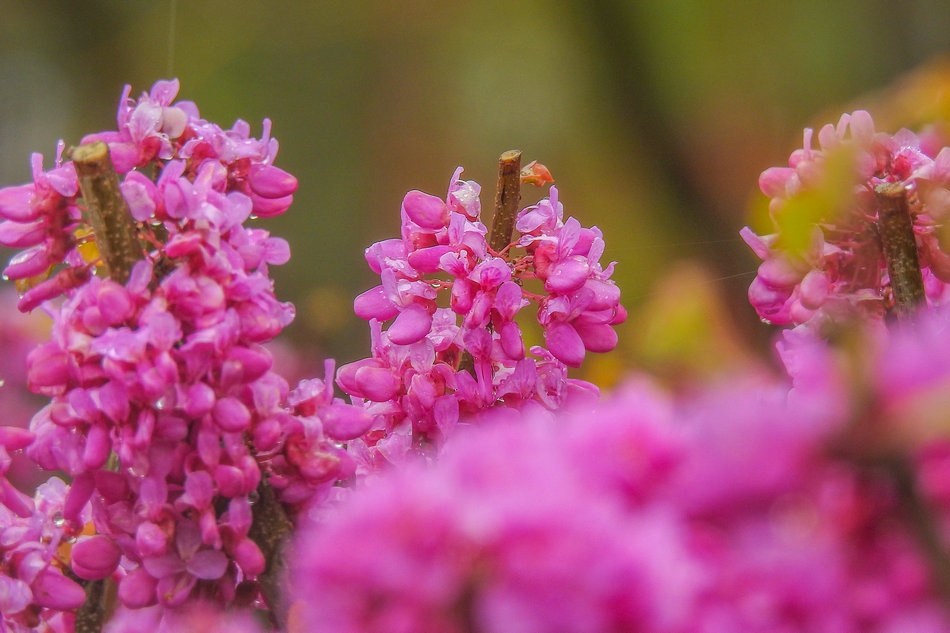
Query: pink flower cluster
[435,365]
[164,408]
[842,272]
[726,509]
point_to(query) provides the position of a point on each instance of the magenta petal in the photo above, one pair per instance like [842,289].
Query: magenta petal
[15,595]
[47,366]
[53,590]
[15,203]
[564,342]
[162,566]
[269,207]
[14,500]
[137,590]
[773,180]
[410,326]
[427,260]
[208,564]
[598,338]
[231,414]
[344,422]
[14,438]
[377,383]
[427,211]
[97,448]
[271,182]
[150,540]
[248,555]
[19,235]
[28,263]
[511,341]
[95,557]
[173,590]
[567,275]
[375,304]
[79,493]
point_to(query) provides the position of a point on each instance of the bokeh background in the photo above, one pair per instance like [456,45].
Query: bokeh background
[654,117]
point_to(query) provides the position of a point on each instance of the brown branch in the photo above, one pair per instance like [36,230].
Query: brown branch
[116,235]
[900,248]
[271,530]
[923,524]
[91,615]
[507,199]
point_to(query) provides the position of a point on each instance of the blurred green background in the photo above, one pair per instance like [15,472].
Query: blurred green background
[654,117]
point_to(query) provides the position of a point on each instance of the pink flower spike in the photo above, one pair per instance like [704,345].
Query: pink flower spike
[565,343]
[410,326]
[95,557]
[426,210]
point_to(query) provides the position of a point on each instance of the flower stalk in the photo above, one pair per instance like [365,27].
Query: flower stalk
[116,236]
[271,529]
[900,248]
[507,199]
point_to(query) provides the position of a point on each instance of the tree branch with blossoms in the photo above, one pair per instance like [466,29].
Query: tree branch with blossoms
[189,458]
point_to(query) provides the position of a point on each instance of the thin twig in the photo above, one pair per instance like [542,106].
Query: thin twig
[900,248]
[507,199]
[116,235]
[923,524]
[91,614]
[271,530]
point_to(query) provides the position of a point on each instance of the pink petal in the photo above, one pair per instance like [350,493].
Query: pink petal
[564,342]
[427,211]
[567,275]
[208,564]
[231,414]
[412,324]
[137,590]
[15,203]
[344,422]
[271,182]
[377,383]
[375,304]
[598,338]
[95,557]
[53,590]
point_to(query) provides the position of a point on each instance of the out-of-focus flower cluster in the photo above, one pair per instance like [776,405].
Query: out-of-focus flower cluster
[454,349]
[825,258]
[163,407]
[729,508]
